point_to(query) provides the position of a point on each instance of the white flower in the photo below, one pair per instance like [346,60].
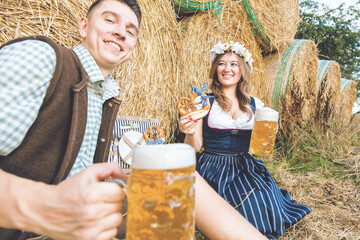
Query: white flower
[225,46]
[247,56]
[217,49]
[238,48]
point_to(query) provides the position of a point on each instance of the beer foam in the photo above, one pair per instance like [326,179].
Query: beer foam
[163,156]
[266,114]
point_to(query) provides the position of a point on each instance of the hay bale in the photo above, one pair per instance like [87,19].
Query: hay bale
[199,34]
[328,89]
[191,6]
[348,94]
[290,80]
[274,22]
[355,118]
[55,19]
[150,79]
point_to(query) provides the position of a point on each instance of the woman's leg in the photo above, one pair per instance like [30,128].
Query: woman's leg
[217,219]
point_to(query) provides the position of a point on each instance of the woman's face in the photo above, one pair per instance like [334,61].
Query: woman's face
[228,70]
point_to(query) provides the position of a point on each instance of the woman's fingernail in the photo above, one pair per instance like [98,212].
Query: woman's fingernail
[195,121]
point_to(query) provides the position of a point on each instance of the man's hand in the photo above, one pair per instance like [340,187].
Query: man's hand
[81,207]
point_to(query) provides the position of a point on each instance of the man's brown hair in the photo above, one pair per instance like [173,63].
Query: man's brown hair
[133,5]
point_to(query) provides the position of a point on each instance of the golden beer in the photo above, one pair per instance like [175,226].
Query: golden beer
[161,193]
[264,132]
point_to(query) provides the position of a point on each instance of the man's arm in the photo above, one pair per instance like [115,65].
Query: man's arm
[217,219]
[81,207]
[26,69]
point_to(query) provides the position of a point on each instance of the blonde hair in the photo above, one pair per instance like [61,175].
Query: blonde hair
[243,86]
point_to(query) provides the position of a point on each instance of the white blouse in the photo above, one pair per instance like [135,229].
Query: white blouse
[221,120]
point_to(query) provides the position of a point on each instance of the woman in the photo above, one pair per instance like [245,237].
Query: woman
[225,135]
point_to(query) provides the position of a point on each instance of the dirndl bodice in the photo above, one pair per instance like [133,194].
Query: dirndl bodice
[232,140]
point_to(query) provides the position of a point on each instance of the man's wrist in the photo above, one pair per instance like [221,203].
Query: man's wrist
[23,205]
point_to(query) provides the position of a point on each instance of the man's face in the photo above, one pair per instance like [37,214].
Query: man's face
[110,34]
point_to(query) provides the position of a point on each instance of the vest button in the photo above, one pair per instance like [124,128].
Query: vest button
[234,132]
[102,140]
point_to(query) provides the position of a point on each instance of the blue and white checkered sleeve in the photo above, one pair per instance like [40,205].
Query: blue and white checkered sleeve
[26,69]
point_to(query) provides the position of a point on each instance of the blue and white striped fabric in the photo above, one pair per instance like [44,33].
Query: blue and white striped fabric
[244,182]
[122,125]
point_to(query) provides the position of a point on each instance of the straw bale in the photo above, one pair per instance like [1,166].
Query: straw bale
[192,6]
[275,22]
[201,31]
[355,118]
[150,79]
[55,19]
[290,84]
[348,94]
[328,89]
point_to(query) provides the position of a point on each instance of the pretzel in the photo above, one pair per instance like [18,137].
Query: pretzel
[156,137]
[192,107]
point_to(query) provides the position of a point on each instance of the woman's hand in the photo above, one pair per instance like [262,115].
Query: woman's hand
[193,130]
[187,125]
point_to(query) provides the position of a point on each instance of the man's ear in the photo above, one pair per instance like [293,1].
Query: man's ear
[83,26]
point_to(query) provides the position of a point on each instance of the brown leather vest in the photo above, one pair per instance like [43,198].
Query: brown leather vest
[52,143]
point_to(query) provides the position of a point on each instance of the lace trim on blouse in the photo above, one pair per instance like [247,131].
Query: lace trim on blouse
[221,120]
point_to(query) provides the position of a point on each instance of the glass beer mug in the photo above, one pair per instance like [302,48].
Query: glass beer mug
[264,132]
[161,192]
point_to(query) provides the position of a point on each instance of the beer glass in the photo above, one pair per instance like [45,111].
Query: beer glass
[161,193]
[264,132]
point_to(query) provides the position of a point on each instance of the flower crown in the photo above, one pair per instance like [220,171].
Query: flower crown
[236,47]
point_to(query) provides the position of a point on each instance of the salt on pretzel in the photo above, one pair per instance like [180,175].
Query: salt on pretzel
[191,107]
[155,134]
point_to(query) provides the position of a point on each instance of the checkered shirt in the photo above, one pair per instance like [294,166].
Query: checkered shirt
[98,92]
[21,99]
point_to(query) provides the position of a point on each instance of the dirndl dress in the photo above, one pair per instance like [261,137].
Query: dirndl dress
[242,180]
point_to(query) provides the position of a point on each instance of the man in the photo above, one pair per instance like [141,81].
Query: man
[58,108]
[52,102]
